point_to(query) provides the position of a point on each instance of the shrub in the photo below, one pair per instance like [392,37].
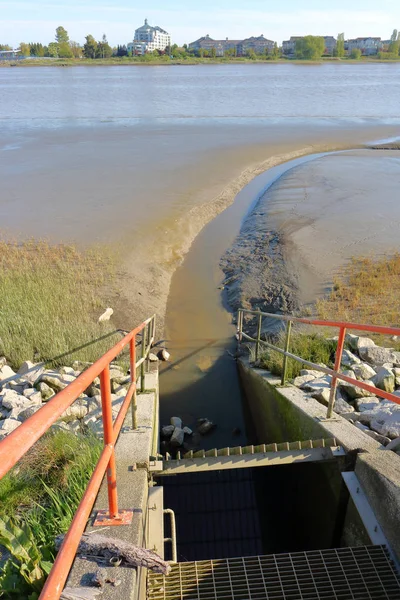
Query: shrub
[356,54]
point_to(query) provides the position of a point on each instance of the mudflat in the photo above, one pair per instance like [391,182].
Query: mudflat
[309,223]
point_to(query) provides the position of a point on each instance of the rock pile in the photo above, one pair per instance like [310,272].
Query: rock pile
[372,364]
[25,392]
[175,436]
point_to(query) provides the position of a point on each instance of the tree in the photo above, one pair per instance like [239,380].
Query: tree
[62,36]
[394,46]
[5,47]
[339,50]
[251,54]
[64,50]
[275,52]
[75,49]
[37,49]
[25,49]
[104,49]
[52,50]
[213,52]
[122,51]
[356,54]
[90,47]
[310,47]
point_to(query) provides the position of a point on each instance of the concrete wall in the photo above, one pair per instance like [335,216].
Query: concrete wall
[286,414]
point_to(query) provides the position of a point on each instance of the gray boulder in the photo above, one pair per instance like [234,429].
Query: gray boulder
[362,427]
[187,431]
[6,372]
[315,374]
[352,391]
[366,405]
[28,412]
[384,379]
[56,381]
[45,391]
[388,426]
[8,425]
[11,399]
[176,422]
[167,431]
[342,407]
[316,385]
[322,396]
[377,356]
[378,437]
[363,371]
[205,426]
[349,359]
[177,437]
[302,379]
[31,371]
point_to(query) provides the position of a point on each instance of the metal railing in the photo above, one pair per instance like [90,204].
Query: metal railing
[335,372]
[17,443]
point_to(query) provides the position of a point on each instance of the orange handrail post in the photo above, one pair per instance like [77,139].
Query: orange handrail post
[132,349]
[338,361]
[108,433]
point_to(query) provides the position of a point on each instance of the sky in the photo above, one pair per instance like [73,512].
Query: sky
[36,20]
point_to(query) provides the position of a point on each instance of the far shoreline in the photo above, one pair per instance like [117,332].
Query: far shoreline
[192,62]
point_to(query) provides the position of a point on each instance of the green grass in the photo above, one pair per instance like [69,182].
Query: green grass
[51,297]
[312,347]
[366,291]
[38,500]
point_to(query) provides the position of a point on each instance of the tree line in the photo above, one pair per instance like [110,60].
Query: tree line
[307,48]
[63,47]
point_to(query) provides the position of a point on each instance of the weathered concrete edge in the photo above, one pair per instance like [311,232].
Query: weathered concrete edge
[132,448]
[378,470]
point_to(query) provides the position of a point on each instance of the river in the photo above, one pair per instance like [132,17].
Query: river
[141,158]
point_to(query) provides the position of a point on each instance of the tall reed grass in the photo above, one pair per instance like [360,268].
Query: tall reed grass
[50,299]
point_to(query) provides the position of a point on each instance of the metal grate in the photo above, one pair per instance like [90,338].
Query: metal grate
[362,573]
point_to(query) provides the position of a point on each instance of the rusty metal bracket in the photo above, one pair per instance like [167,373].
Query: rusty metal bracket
[124,518]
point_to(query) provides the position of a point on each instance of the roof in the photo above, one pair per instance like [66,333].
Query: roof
[147,27]
[204,39]
[259,38]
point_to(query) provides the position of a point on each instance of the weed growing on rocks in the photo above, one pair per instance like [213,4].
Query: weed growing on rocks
[312,347]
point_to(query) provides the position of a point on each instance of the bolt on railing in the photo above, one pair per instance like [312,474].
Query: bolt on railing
[18,442]
[335,372]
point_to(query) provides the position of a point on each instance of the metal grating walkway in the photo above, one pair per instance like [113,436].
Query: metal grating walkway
[362,573]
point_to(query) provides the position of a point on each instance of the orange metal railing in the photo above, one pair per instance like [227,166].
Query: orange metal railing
[17,443]
[335,372]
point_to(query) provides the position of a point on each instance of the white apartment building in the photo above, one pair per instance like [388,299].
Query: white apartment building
[148,39]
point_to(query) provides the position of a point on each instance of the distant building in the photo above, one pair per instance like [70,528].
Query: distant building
[10,54]
[330,44]
[367,45]
[148,39]
[289,46]
[258,44]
